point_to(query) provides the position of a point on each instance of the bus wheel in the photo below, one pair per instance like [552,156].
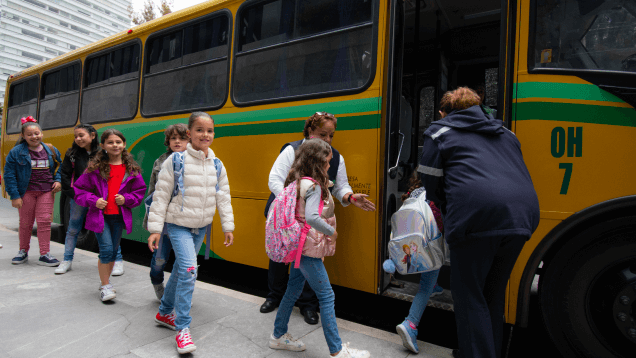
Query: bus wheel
[86,239]
[588,292]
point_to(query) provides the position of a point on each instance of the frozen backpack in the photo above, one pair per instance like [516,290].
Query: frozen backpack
[416,245]
[178,161]
[284,234]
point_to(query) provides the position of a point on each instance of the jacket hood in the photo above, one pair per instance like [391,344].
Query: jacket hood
[472,119]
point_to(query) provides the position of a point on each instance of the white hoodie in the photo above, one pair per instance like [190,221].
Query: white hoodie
[201,198]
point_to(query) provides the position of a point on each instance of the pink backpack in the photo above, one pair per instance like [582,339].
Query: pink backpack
[284,235]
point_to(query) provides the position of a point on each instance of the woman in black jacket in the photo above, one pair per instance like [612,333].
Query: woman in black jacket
[85,146]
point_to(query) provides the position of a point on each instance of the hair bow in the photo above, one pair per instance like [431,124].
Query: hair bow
[28,119]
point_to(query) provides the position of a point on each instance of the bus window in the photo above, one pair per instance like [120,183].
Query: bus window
[284,51]
[111,85]
[595,35]
[23,102]
[59,98]
[187,69]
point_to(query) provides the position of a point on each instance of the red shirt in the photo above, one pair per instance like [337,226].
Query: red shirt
[117,173]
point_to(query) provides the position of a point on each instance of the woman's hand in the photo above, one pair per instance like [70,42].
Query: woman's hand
[56,187]
[360,201]
[119,199]
[229,239]
[101,204]
[17,203]
[153,242]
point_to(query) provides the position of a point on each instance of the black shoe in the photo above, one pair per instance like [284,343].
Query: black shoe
[455,353]
[268,306]
[311,317]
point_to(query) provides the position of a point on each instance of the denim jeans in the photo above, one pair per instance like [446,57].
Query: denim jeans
[312,270]
[75,225]
[160,258]
[109,239]
[427,282]
[177,296]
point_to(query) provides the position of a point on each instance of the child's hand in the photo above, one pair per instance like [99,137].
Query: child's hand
[16,203]
[153,242]
[56,187]
[101,204]
[119,199]
[333,237]
[229,239]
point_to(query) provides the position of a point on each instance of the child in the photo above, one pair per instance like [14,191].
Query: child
[110,187]
[186,216]
[312,160]
[31,178]
[84,148]
[176,138]
[428,280]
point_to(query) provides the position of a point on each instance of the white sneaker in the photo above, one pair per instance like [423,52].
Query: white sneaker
[0,246]
[64,267]
[109,284]
[159,290]
[347,352]
[118,269]
[286,342]
[107,293]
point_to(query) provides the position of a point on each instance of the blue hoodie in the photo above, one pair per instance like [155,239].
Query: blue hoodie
[473,169]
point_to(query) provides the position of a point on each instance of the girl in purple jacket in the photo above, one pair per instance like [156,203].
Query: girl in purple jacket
[110,187]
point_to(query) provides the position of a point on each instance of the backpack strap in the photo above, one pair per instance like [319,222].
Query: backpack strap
[305,230]
[56,164]
[178,159]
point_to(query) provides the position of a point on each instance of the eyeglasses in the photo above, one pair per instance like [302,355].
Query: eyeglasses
[325,114]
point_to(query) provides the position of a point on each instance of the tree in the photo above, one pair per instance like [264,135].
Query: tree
[148,12]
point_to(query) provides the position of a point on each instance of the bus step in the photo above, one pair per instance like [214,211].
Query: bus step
[407,293]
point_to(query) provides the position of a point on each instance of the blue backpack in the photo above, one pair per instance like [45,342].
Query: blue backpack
[178,167]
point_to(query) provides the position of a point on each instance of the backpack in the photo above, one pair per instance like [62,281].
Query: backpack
[178,167]
[284,235]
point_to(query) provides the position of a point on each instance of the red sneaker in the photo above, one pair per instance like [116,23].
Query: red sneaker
[166,321]
[184,342]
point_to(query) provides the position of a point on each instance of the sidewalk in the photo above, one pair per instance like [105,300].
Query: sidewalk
[48,315]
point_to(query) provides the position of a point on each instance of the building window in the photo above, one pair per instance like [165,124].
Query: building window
[59,97]
[23,102]
[32,55]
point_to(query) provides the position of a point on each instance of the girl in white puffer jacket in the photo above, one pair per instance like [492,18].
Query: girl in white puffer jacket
[186,217]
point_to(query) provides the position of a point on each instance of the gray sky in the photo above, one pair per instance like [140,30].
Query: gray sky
[177,4]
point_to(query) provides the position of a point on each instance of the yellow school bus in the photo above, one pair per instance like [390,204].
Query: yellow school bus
[561,74]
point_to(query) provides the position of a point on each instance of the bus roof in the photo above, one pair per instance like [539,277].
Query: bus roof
[121,37]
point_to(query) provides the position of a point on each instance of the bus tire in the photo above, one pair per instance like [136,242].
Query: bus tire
[86,239]
[588,292]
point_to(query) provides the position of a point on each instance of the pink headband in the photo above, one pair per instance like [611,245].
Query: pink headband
[28,119]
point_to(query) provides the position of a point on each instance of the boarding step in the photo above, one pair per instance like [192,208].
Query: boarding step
[409,289]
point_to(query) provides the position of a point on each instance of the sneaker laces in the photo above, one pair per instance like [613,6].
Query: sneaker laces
[184,337]
[288,337]
[170,317]
[48,256]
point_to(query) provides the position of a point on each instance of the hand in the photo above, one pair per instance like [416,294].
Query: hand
[333,237]
[153,242]
[101,204]
[360,201]
[16,203]
[56,187]
[119,199]
[229,239]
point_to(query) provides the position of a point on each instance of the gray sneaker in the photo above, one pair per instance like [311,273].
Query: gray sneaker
[107,293]
[64,267]
[21,258]
[48,260]
[286,342]
[159,290]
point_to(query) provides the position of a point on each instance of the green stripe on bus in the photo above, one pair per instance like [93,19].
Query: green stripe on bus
[580,113]
[564,91]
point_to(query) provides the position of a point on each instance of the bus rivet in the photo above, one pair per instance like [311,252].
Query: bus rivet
[624,300]
[632,332]
[622,317]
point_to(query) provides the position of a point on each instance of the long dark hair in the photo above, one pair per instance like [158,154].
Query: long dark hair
[310,161]
[94,143]
[101,159]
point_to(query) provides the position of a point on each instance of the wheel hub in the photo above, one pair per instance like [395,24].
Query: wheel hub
[624,308]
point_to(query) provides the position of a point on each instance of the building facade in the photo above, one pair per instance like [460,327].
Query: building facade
[33,31]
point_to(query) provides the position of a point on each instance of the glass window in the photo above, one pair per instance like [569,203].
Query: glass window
[111,86]
[60,98]
[23,101]
[187,68]
[323,61]
[577,34]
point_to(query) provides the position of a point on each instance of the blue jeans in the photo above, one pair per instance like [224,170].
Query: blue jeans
[312,270]
[160,258]
[177,296]
[75,225]
[109,239]
[427,282]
